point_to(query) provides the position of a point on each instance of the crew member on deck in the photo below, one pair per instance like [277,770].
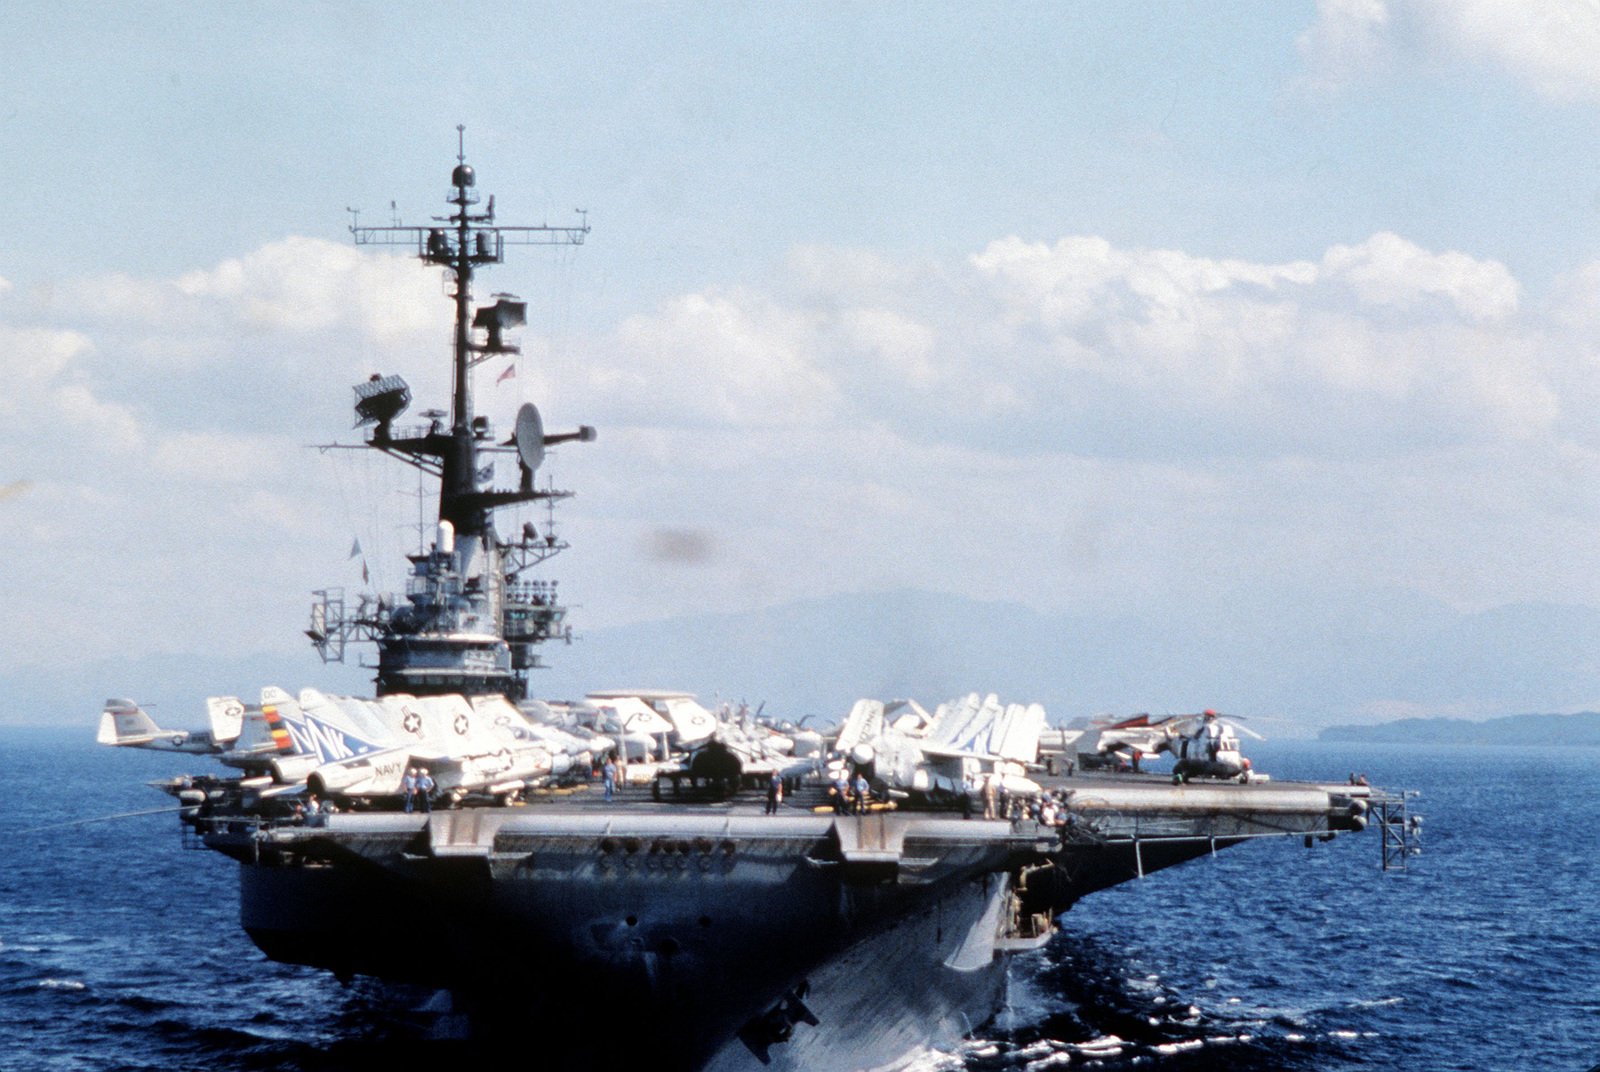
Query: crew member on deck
[408,789]
[841,795]
[425,786]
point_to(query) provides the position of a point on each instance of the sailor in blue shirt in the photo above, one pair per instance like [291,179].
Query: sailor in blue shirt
[408,788]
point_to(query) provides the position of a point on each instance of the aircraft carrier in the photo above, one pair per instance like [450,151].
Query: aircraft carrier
[681,918]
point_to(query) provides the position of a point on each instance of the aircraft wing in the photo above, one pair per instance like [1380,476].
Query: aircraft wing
[692,722]
[784,765]
[496,771]
[1059,740]
[864,723]
[986,726]
[946,752]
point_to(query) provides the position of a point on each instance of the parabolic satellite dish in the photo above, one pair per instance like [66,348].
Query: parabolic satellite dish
[529,436]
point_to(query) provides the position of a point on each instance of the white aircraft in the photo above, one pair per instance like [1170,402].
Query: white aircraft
[124,722]
[1207,746]
[1106,743]
[642,723]
[571,745]
[1204,745]
[666,732]
[943,754]
[348,747]
[244,736]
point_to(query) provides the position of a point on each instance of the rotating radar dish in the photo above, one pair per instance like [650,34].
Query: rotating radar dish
[529,436]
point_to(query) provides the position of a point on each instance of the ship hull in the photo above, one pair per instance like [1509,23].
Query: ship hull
[721,938]
[746,950]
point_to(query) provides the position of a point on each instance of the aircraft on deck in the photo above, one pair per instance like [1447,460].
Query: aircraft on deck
[1207,746]
[346,747]
[669,733]
[942,756]
[1203,745]
[124,722]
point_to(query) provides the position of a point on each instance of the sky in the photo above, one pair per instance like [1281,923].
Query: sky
[1172,311]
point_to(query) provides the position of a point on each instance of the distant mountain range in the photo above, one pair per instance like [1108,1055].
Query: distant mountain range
[1298,665]
[1542,730]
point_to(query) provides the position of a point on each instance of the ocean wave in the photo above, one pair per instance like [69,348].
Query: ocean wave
[61,984]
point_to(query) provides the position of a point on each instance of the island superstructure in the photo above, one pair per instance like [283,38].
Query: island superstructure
[471,624]
[830,935]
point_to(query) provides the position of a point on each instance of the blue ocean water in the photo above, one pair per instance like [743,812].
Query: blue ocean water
[120,949]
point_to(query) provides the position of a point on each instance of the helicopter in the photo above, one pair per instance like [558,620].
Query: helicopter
[1203,745]
[1207,746]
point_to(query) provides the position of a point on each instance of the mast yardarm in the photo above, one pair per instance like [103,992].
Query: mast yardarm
[470,625]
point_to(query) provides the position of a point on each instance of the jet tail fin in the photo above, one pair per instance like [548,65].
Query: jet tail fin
[124,722]
[226,714]
[277,733]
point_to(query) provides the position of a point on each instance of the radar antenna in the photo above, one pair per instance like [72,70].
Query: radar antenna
[463,242]
[468,624]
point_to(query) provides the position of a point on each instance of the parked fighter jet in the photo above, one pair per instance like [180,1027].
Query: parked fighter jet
[343,746]
[124,722]
[669,733]
[1105,743]
[248,737]
[366,746]
[648,723]
[535,720]
[940,756]
[245,736]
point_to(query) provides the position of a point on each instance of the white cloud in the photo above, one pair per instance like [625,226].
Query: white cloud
[1084,346]
[727,356]
[299,291]
[1079,425]
[237,347]
[1348,37]
[894,340]
[1068,424]
[1388,270]
[162,425]
[1574,301]
[49,392]
[1078,345]
[302,285]
[1549,44]
[1383,320]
